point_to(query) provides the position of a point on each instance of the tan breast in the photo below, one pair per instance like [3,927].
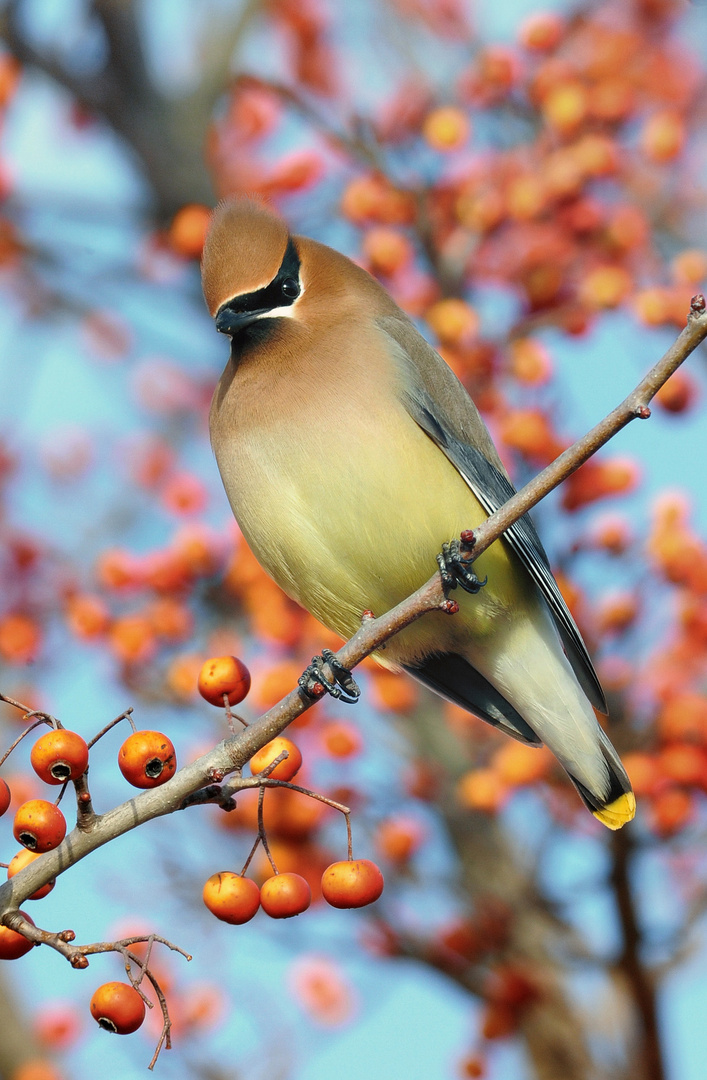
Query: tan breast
[342,497]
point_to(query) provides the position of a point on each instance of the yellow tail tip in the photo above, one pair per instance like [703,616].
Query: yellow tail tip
[618,812]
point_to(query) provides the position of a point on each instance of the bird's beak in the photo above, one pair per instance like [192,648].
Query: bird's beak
[229,321]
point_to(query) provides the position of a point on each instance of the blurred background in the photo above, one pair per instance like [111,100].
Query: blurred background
[530,185]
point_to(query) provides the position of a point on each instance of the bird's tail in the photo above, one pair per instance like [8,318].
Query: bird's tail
[618,806]
[581,747]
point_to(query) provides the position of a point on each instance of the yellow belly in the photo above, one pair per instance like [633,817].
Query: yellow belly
[348,519]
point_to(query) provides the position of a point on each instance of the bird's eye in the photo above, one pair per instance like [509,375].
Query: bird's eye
[290,288]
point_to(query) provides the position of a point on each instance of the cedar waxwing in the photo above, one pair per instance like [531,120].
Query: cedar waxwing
[350,453]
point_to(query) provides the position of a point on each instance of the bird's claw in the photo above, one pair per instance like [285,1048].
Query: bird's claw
[455,568]
[343,687]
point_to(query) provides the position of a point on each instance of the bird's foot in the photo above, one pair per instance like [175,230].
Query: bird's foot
[315,682]
[455,566]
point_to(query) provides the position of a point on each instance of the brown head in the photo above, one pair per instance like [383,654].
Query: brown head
[244,251]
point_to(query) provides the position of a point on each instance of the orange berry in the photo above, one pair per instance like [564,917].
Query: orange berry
[462,938]
[171,619]
[563,179]
[57,1026]
[231,897]
[627,229]
[371,198]
[20,638]
[653,305]
[530,361]
[23,786]
[517,764]
[12,944]
[684,763]
[5,797]
[671,810]
[118,570]
[565,107]
[39,825]
[37,1069]
[188,230]
[132,639]
[596,154]
[542,283]
[481,211]
[399,838]
[87,616]
[253,112]
[59,755]
[295,171]
[147,759]
[182,674]
[453,321]
[530,432]
[472,1067]
[496,70]
[678,393]
[292,815]
[393,691]
[387,250]
[597,480]
[446,129]
[341,740]
[224,675]
[526,197]
[612,533]
[483,790]
[285,895]
[321,990]
[287,768]
[10,73]
[118,1008]
[684,717]
[643,772]
[542,31]
[184,494]
[352,883]
[611,100]
[663,136]
[616,612]
[605,286]
[498,1021]
[690,267]
[18,862]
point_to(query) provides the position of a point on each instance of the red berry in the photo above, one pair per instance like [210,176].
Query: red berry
[231,898]
[352,883]
[39,825]
[223,675]
[147,759]
[59,756]
[118,1008]
[285,895]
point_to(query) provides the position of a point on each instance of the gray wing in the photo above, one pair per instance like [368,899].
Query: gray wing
[438,402]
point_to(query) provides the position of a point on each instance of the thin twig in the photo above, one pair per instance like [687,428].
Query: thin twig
[127,715]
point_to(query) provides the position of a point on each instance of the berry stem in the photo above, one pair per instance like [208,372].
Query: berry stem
[261,828]
[123,716]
